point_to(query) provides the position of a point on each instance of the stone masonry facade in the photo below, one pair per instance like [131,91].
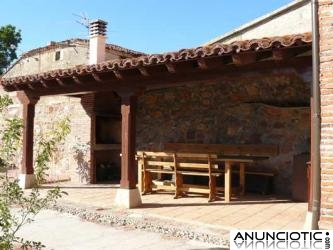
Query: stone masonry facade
[65,164]
[326,89]
[255,108]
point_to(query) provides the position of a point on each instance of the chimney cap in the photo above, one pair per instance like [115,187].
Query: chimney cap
[97,27]
[98,21]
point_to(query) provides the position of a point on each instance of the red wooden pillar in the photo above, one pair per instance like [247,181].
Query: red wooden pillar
[128,195]
[128,136]
[27,170]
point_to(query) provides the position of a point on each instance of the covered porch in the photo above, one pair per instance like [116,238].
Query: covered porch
[129,79]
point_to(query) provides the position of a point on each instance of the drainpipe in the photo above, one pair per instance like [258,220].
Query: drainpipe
[315,161]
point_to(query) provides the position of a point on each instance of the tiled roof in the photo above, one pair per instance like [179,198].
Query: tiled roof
[216,50]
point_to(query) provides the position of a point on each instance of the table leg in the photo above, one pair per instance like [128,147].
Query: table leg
[227,182]
[140,176]
[242,178]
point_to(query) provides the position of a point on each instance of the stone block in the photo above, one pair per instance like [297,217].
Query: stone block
[128,198]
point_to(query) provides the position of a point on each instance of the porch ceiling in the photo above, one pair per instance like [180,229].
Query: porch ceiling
[172,68]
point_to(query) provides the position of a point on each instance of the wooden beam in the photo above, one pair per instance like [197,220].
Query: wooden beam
[30,86]
[118,74]
[281,54]
[77,80]
[244,58]
[44,84]
[170,67]
[144,71]
[29,103]
[128,136]
[202,64]
[60,82]
[96,77]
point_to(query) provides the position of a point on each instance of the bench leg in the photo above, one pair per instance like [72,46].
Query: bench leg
[179,184]
[212,189]
[147,180]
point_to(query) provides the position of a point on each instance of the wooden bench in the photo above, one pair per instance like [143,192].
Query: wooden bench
[239,151]
[179,165]
[194,164]
[154,163]
[200,160]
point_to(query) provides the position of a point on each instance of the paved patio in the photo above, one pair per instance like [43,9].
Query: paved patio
[249,212]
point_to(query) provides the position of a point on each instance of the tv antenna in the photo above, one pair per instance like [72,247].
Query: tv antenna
[83,20]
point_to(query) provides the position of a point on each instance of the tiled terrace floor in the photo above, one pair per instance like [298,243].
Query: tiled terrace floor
[250,212]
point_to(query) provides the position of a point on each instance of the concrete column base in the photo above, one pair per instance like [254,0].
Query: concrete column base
[308,221]
[128,198]
[27,180]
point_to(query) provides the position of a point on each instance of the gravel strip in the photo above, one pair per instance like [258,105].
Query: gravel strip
[148,223]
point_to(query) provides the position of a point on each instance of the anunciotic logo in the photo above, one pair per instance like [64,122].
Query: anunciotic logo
[278,239]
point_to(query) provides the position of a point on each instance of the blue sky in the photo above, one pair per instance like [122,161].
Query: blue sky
[151,26]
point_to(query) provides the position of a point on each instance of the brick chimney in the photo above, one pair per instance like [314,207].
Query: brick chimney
[97,30]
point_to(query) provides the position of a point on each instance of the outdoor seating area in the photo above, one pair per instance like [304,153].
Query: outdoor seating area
[168,170]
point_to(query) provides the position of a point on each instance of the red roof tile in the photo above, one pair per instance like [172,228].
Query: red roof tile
[215,50]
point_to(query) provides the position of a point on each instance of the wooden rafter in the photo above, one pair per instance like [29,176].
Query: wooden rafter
[77,80]
[144,71]
[60,81]
[280,54]
[170,67]
[96,77]
[30,85]
[44,84]
[244,58]
[202,64]
[118,74]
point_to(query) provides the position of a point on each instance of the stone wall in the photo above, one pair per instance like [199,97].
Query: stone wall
[326,89]
[48,111]
[271,108]
[65,165]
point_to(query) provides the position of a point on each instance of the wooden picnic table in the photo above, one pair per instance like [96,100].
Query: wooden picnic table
[179,164]
[231,161]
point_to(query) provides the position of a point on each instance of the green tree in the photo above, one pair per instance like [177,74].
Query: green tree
[5,101]
[10,37]
[10,135]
